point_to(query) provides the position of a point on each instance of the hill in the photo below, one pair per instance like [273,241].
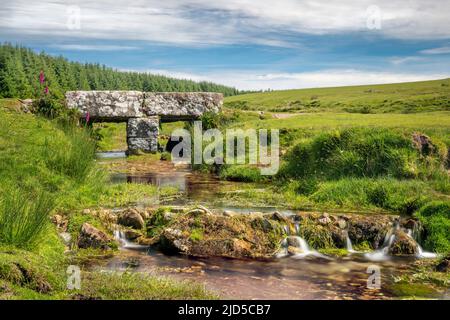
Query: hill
[398,98]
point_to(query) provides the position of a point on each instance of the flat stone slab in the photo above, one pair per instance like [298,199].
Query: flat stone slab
[107,105]
[122,105]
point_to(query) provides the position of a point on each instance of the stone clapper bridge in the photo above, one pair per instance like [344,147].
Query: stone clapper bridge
[143,111]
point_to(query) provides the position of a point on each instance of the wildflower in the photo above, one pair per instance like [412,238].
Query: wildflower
[46,90]
[87,117]
[41,77]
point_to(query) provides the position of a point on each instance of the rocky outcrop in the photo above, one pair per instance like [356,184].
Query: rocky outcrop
[444,264]
[131,218]
[197,233]
[371,229]
[403,244]
[91,237]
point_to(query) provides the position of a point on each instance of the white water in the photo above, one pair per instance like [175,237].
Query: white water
[383,253]
[124,242]
[306,250]
[349,245]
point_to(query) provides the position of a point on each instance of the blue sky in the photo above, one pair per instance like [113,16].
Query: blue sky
[247,44]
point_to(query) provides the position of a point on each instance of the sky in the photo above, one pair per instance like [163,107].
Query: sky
[247,44]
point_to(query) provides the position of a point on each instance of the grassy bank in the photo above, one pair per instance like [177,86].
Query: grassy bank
[48,167]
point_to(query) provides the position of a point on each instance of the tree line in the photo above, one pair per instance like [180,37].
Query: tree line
[20,69]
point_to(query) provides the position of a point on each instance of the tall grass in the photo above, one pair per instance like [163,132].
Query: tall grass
[23,217]
[73,157]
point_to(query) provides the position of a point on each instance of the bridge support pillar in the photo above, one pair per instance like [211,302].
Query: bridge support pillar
[142,134]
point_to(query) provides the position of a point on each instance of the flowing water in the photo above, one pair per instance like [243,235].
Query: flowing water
[304,275]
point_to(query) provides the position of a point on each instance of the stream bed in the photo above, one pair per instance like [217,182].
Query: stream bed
[307,277]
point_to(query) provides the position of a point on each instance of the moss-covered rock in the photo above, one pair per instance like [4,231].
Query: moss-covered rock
[203,234]
[403,244]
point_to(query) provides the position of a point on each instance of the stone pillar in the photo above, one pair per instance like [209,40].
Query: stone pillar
[142,134]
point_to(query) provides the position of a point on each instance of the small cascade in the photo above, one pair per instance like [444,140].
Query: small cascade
[286,230]
[349,245]
[297,228]
[305,249]
[284,249]
[124,242]
[383,253]
[420,252]
[425,254]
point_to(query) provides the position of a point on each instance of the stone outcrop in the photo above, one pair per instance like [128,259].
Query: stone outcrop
[143,111]
[131,218]
[91,237]
[403,244]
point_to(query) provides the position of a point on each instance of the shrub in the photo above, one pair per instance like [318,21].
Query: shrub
[435,217]
[358,152]
[47,107]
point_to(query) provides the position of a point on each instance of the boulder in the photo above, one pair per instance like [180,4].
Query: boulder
[60,222]
[444,264]
[371,228]
[228,213]
[294,250]
[131,218]
[403,244]
[324,219]
[91,237]
[293,241]
[205,235]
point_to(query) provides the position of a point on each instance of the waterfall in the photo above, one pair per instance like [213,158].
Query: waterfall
[124,242]
[306,251]
[297,228]
[349,244]
[286,229]
[424,254]
[420,252]
[383,253]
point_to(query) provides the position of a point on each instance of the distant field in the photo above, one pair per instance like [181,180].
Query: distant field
[397,98]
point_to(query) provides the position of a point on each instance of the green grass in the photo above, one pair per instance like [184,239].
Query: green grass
[139,286]
[112,136]
[399,98]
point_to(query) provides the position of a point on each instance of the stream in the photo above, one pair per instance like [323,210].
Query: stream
[307,276]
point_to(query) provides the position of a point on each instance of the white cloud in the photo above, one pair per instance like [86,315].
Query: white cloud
[441,50]
[324,78]
[84,47]
[403,60]
[205,22]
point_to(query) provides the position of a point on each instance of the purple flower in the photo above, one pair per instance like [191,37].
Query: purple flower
[41,77]
[87,117]
[46,90]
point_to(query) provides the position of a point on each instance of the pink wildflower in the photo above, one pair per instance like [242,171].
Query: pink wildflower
[41,77]
[46,90]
